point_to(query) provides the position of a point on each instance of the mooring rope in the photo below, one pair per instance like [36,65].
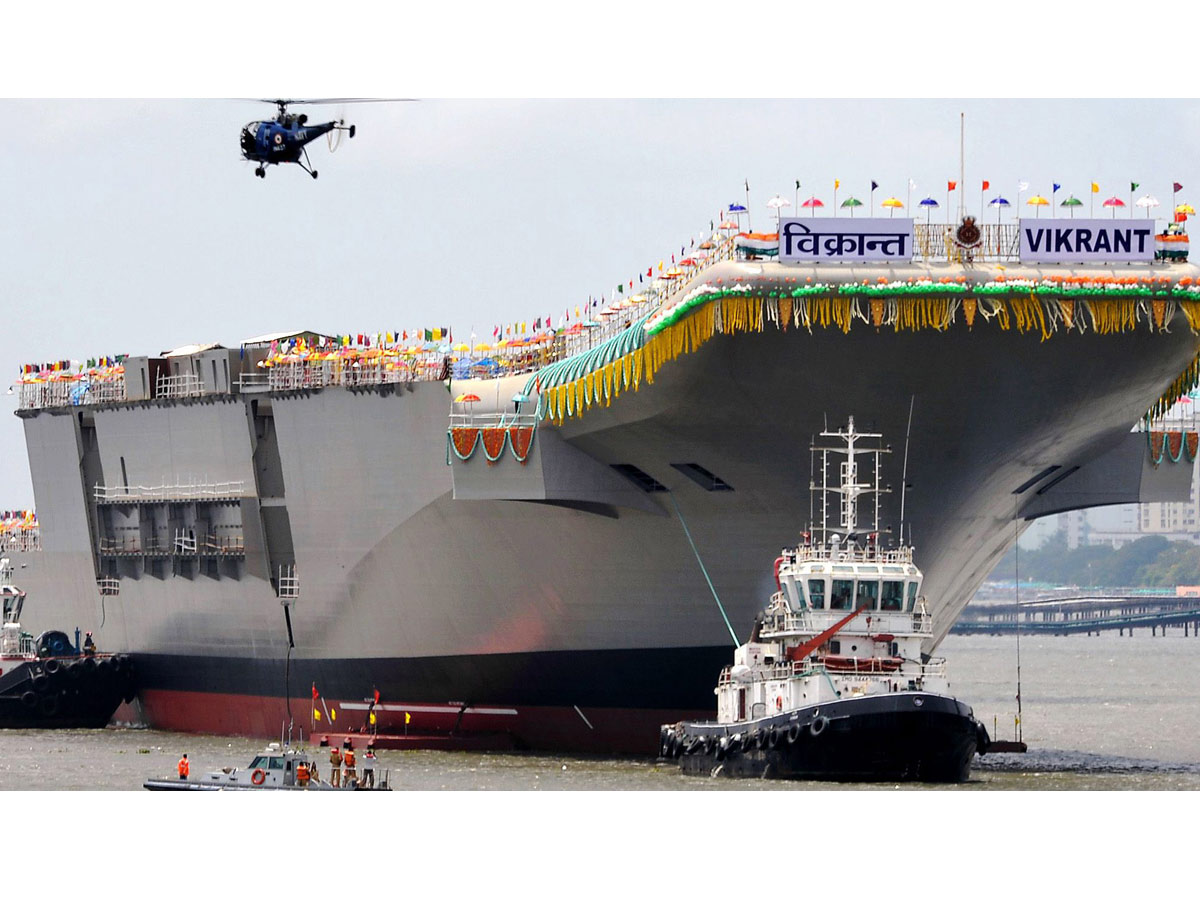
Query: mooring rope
[732,633]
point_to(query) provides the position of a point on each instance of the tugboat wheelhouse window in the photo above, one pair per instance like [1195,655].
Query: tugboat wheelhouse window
[816,593]
[912,595]
[841,594]
[868,595]
[892,599]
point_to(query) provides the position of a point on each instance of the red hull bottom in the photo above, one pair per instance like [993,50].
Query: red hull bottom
[440,726]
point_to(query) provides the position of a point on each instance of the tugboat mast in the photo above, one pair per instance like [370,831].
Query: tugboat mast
[849,487]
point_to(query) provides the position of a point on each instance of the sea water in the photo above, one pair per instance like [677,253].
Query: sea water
[1102,712]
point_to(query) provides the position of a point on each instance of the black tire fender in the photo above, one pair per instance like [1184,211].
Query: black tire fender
[39,681]
[773,737]
[794,733]
[817,725]
[49,705]
[51,666]
[30,699]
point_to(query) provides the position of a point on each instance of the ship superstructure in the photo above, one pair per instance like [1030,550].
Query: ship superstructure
[509,539]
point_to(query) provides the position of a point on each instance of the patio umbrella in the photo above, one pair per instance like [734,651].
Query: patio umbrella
[467,398]
[1114,202]
[461,348]
[999,203]
[1072,202]
[706,245]
[729,226]
[777,203]
[1039,201]
[482,348]
[1186,209]
[930,205]
[893,204]
[851,202]
[1147,202]
[812,203]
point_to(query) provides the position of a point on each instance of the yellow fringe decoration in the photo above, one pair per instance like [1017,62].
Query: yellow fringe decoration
[736,314]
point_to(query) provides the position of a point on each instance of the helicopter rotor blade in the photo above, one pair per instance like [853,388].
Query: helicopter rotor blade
[330,100]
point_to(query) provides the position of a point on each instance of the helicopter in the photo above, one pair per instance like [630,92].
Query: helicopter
[284,139]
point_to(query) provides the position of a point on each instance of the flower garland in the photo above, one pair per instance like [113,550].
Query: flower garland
[464,440]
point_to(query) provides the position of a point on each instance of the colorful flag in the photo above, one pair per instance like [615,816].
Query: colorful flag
[986,185]
[1095,188]
[1178,187]
[1022,186]
[315,694]
[874,185]
[836,184]
[951,185]
[376,695]
[1055,188]
[1133,186]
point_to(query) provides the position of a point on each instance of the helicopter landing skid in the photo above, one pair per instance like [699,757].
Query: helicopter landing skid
[311,171]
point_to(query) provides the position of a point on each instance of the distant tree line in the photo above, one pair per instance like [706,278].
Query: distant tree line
[1147,562]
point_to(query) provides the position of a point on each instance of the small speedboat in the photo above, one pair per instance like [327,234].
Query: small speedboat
[276,768]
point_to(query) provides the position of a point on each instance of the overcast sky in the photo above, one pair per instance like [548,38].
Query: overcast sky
[135,227]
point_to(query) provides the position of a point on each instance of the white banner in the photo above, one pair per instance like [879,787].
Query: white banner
[845,240]
[1087,240]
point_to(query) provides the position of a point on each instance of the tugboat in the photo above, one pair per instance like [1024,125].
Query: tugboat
[832,684]
[277,768]
[47,682]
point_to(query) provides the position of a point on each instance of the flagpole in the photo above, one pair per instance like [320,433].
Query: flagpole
[962,165]
[835,206]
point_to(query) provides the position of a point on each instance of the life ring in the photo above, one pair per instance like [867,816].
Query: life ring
[779,703]
[817,725]
[794,733]
[258,777]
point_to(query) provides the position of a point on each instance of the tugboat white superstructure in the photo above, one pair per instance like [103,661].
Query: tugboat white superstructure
[832,683]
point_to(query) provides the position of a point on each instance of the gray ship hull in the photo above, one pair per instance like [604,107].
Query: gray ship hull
[493,596]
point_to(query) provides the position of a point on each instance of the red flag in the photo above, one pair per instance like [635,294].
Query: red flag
[951,185]
[986,185]
[376,695]
[1178,187]
[316,696]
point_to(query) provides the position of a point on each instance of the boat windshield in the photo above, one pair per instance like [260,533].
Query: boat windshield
[267,762]
[816,593]
[892,599]
[868,595]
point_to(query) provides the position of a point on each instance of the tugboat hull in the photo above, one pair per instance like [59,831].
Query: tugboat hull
[79,692]
[907,736]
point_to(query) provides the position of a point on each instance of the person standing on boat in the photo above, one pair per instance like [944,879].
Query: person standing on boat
[349,761]
[89,647]
[335,765]
[368,767]
[184,766]
[302,774]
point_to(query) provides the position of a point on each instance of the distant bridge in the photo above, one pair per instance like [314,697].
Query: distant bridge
[1084,614]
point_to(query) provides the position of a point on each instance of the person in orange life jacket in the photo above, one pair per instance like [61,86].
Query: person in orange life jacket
[184,768]
[335,764]
[302,775]
[348,761]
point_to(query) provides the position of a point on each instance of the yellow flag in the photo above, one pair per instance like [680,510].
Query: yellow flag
[407,718]
[317,714]
[660,265]
[372,718]
[1095,188]
[836,184]
[333,715]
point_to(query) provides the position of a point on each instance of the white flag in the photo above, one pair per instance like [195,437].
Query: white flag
[912,185]
[1022,186]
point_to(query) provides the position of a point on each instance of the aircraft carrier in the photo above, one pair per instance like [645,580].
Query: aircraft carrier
[554,554]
